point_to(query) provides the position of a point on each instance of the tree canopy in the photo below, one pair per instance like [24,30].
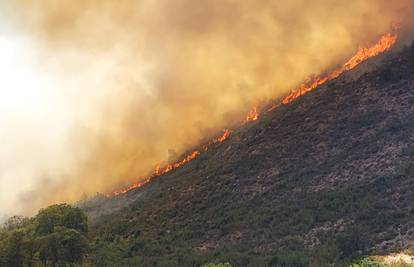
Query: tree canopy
[56,236]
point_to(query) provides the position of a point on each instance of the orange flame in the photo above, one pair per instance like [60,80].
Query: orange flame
[172,166]
[384,44]
[219,139]
[253,115]
[157,172]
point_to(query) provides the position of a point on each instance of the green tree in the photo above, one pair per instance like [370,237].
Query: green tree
[61,231]
[56,237]
[16,248]
[16,222]
[61,215]
[63,247]
[72,245]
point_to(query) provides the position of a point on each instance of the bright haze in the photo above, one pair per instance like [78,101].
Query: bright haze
[95,93]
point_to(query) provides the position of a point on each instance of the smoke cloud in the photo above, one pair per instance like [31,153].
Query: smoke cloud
[97,92]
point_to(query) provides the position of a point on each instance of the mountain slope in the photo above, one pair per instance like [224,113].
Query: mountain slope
[326,177]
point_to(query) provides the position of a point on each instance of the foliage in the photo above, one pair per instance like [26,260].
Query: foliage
[352,243]
[56,236]
[290,259]
[15,222]
[367,262]
[226,264]
[61,215]
[16,248]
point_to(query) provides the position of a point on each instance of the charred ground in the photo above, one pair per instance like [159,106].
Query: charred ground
[323,179]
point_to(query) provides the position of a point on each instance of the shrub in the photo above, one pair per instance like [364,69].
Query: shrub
[226,264]
[367,262]
[290,259]
[352,243]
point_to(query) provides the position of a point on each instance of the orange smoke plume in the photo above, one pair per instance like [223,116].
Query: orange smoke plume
[384,44]
[111,109]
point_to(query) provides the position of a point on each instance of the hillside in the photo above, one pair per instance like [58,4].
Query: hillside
[325,178]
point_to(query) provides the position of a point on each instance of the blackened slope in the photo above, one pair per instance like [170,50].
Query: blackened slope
[338,159]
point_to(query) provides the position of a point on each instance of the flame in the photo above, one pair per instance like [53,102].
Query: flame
[226,134]
[219,139]
[384,44]
[172,166]
[253,115]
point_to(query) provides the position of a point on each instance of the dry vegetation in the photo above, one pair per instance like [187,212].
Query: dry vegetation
[320,181]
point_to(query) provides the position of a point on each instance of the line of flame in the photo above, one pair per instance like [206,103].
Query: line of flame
[384,44]
[172,166]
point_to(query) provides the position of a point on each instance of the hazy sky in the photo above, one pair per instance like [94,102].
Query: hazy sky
[95,93]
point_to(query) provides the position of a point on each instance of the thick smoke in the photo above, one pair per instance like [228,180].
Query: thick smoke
[126,84]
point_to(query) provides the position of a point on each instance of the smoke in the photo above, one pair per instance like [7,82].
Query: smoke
[105,90]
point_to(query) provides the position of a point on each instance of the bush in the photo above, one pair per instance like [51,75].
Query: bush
[352,243]
[226,264]
[290,259]
[367,262]
[386,75]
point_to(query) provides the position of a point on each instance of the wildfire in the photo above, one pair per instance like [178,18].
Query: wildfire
[128,188]
[253,115]
[219,139]
[172,166]
[384,44]
[224,136]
